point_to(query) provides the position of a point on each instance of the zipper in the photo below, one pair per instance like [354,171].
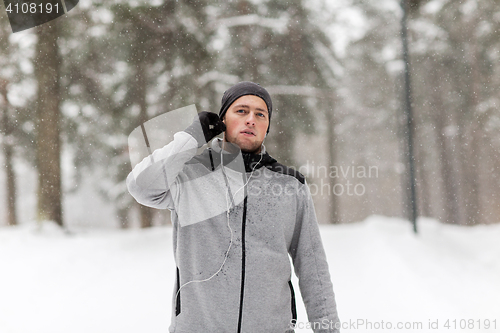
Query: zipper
[294,307]
[242,291]
[178,300]
[211,158]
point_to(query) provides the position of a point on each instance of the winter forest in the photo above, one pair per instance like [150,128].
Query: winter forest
[73,90]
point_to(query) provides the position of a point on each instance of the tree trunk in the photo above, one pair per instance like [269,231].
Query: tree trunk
[331,140]
[445,153]
[282,130]
[8,155]
[473,137]
[11,184]
[423,193]
[450,186]
[47,64]
[122,215]
[146,213]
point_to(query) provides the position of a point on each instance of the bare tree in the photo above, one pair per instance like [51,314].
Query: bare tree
[47,64]
[8,150]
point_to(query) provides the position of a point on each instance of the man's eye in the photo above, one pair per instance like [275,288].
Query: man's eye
[260,114]
[240,111]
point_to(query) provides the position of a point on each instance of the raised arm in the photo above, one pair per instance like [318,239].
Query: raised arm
[152,182]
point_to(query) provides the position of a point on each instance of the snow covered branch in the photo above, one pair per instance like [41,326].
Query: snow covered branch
[218,77]
[297,90]
[326,54]
[277,24]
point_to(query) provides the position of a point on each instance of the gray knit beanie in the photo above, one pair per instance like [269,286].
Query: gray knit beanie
[242,89]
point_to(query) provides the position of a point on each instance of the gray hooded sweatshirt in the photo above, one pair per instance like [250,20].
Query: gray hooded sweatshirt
[235,228]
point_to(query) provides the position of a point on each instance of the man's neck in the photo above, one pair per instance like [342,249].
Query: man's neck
[255,152]
[229,147]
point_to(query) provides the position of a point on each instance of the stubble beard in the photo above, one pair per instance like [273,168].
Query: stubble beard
[254,148]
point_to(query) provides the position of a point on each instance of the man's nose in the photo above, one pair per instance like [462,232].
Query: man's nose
[250,119]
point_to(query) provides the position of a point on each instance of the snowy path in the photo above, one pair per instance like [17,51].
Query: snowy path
[121,281]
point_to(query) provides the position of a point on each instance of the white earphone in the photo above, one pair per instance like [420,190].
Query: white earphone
[227,217]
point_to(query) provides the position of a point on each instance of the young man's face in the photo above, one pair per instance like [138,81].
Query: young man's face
[247,120]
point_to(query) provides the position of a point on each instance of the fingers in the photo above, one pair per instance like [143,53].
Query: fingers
[211,124]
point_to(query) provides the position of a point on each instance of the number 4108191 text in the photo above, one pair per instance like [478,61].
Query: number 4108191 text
[32,8]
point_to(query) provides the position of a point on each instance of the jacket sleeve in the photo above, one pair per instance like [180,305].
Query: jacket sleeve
[311,268]
[152,182]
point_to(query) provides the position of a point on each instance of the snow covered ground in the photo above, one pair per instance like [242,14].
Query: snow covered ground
[121,280]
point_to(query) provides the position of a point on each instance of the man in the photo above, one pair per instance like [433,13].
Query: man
[238,215]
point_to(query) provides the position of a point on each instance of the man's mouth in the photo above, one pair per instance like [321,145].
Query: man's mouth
[248,132]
